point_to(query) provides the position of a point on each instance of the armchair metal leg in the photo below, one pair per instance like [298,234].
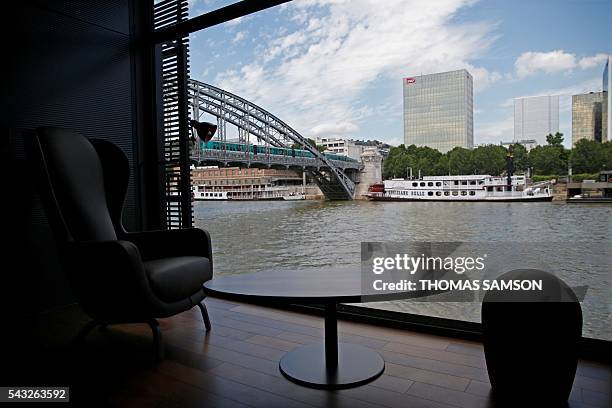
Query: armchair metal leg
[80,337]
[202,307]
[158,343]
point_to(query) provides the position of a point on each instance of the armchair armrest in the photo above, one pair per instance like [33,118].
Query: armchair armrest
[170,243]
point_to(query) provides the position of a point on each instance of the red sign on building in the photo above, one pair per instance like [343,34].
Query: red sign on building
[410,80]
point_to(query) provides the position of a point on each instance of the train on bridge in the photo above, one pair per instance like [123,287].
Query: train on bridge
[273,150]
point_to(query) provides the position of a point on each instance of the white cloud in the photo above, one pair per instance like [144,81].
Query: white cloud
[334,129]
[590,85]
[240,35]
[532,62]
[320,71]
[594,61]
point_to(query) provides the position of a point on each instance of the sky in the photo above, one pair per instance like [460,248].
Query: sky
[335,67]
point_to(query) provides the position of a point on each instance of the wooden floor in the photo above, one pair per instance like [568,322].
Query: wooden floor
[236,365]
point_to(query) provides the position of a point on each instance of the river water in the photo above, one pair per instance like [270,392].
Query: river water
[253,236]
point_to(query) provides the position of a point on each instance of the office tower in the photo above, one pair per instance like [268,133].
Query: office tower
[536,117]
[438,110]
[587,115]
[606,133]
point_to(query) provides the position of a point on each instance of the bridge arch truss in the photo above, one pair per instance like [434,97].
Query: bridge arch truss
[254,122]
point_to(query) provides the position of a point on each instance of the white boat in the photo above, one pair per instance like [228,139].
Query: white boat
[204,193]
[460,188]
[294,196]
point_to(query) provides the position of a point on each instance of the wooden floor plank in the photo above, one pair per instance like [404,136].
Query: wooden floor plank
[597,399]
[593,384]
[236,364]
[433,354]
[390,399]
[458,370]
[281,386]
[396,384]
[426,376]
[275,342]
[447,396]
[229,389]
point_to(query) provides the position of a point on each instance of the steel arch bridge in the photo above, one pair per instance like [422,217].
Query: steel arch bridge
[332,176]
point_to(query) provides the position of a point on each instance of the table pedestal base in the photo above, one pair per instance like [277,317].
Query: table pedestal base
[357,365]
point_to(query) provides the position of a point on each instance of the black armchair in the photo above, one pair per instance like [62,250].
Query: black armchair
[116,276]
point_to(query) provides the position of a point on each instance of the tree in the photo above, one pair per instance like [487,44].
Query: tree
[588,156]
[520,158]
[607,155]
[555,140]
[548,160]
[460,161]
[490,159]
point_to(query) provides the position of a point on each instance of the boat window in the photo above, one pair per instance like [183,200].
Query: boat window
[500,189]
[438,183]
[455,193]
[489,188]
[430,184]
[438,193]
[464,193]
[422,184]
[472,193]
[472,182]
[464,182]
[415,184]
[430,193]
[480,182]
[456,182]
[446,193]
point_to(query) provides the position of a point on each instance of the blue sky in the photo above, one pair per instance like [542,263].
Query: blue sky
[335,67]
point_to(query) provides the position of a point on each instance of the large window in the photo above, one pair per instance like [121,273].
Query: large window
[344,71]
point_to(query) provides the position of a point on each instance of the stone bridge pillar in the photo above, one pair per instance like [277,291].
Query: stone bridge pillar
[371,173]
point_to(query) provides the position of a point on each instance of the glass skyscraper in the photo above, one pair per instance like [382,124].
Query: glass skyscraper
[438,110]
[607,102]
[587,115]
[536,117]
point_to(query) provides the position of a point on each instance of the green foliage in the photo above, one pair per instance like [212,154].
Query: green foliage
[555,140]
[588,156]
[482,160]
[547,161]
[577,178]
[489,159]
[521,158]
[460,161]
[537,179]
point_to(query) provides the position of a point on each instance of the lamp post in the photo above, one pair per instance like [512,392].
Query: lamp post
[509,167]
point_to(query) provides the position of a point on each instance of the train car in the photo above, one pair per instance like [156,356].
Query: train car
[277,151]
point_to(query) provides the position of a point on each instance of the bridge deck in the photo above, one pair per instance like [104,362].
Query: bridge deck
[228,156]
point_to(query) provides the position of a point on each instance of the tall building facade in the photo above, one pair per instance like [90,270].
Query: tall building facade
[587,117]
[606,133]
[438,110]
[536,117]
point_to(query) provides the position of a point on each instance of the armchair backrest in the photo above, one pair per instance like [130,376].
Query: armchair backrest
[83,197]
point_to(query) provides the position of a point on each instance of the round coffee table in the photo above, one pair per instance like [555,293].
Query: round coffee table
[329,365]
